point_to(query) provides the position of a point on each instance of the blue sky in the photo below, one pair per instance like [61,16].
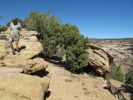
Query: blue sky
[95,18]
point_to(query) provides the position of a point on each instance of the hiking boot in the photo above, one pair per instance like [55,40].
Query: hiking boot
[18,50]
[13,52]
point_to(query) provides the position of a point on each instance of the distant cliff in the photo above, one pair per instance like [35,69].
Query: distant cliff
[120,49]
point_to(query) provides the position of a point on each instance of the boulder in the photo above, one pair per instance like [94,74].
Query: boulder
[22,87]
[99,60]
[35,65]
[28,66]
[24,32]
[30,47]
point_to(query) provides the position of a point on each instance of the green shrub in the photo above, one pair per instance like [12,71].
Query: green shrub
[57,38]
[117,74]
[76,58]
[3,28]
[129,78]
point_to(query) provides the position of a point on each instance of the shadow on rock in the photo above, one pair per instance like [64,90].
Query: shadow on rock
[128,89]
[21,48]
[40,73]
[3,37]
[55,60]
[48,93]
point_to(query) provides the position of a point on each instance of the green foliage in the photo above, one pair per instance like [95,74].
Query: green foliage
[117,73]
[60,40]
[49,30]
[3,28]
[129,78]
[75,46]
[76,58]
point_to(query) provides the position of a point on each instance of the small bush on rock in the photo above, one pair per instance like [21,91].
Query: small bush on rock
[3,28]
[117,73]
[129,78]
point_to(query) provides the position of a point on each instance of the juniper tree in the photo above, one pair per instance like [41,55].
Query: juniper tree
[57,37]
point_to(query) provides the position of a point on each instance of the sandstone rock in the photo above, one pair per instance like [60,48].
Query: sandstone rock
[30,48]
[7,70]
[22,87]
[29,41]
[27,66]
[35,65]
[13,84]
[25,32]
[3,36]
[99,59]
[120,49]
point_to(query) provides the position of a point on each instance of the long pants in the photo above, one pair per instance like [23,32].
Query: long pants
[16,44]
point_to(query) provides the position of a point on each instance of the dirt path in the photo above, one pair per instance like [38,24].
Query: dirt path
[67,86]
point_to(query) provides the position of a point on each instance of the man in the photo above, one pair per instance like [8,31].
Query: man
[14,37]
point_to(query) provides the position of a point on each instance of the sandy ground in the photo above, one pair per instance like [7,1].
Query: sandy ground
[67,86]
